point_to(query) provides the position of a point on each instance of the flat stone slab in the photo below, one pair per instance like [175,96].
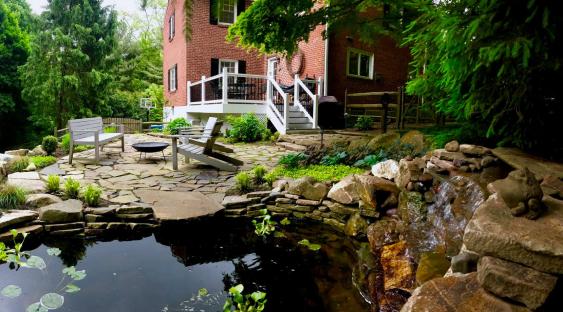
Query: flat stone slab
[52,169]
[16,217]
[493,231]
[29,181]
[179,206]
[518,159]
[456,293]
[31,229]
[63,212]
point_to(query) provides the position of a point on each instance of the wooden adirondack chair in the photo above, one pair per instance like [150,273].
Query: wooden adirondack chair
[202,149]
[195,134]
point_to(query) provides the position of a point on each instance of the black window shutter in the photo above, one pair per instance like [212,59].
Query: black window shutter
[175,77]
[242,67]
[213,12]
[169,89]
[214,66]
[241,5]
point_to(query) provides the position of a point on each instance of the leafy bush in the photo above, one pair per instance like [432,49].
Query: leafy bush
[318,172]
[110,129]
[175,125]
[334,159]
[247,128]
[18,164]
[11,196]
[364,123]
[49,144]
[275,136]
[237,302]
[43,161]
[371,160]
[53,183]
[72,188]
[65,145]
[259,173]
[292,160]
[92,195]
[243,182]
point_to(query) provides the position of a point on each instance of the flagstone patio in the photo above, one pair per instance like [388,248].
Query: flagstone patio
[119,174]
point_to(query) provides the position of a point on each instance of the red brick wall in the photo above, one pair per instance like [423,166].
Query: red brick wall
[175,53]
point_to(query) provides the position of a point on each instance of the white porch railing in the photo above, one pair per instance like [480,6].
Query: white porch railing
[230,93]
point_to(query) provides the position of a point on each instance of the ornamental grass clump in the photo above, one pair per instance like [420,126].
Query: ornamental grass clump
[18,164]
[72,188]
[92,195]
[53,183]
[11,196]
[43,161]
[259,172]
[243,182]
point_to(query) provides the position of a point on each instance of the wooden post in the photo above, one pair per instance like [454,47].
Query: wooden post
[202,90]
[286,112]
[225,86]
[174,153]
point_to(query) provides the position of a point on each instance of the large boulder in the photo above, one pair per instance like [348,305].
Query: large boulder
[388,169]
[537,243]
[18,152]
[430,266]
[63,212]
[37,151]
[409,170]
[415,139]
[41,200]
[474,150]
[345,191]
[308,188]
[383,232]
[30,181]
[514,281]
[452,146]
[16,218]
[383,141]
[354,189]
[397,266]
[456,293]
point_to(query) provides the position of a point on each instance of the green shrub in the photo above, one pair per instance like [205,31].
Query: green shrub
[247,128]
[270,178]
[92,195]
[334,159]
[72,188]
[18,164]
[53,183]
[243,182]
[175,125]
[259,173]
[371,160]
[49,144]
[318,172]
[65,145]
[110,129]
[43,161]
[364,123]
[11,196]
[275,137]
[292,160]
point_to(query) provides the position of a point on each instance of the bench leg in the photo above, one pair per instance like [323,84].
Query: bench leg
[123,144]
[70,154]
[97,151]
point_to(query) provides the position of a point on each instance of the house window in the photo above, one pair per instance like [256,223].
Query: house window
[360,64]
[172,78]
[227,11]
[230,65]
[172,26]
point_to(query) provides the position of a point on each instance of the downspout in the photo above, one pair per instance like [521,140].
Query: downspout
[325,84]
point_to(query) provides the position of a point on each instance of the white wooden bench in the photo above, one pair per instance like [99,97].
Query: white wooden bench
[90,131]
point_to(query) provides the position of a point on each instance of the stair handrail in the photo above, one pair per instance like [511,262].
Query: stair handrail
[299,84]
[285,118]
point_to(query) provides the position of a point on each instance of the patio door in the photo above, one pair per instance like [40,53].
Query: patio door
[273,67]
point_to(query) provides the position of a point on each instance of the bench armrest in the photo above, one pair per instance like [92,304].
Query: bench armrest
[95,134]
[120,127]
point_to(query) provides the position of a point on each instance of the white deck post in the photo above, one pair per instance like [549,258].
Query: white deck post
[202,90]
[285,112]
[296,90]
[189,99]
[225,86]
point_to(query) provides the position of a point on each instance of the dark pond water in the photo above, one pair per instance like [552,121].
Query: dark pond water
[164,271]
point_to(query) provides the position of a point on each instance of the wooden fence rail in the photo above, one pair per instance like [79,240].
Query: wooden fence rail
[130,125]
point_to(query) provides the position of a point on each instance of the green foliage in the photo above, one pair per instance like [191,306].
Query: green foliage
[49,144]
[18,164]
[334,159]
[264,225]
[292,160]
[318,172]
[270,178]
[11,197]
[465,133]
[53,183]
[275,137]
[311,246]
[237,302]
[285,222]
[259,173]
[364,123]
[43,161]
[175,125]
[247,128]
[111,129]
[91,195]
[243,182]
[371,159]
[65,145]
[71,188]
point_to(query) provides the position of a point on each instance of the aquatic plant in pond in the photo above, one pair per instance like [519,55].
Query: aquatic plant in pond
[237,302]
[16,258]
[264,225]
[311,246]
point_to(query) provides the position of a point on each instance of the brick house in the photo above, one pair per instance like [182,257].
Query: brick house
[208,76]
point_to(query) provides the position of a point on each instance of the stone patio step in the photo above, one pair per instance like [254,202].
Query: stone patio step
[519,159]
[179,206]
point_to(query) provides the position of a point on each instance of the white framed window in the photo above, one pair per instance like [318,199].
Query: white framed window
[230,65]
[227,12]
[359,64]
[172,78]
[172,26]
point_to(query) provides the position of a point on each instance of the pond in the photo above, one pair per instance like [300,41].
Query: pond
[164,271]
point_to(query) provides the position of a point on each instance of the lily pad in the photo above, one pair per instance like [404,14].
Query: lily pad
[71,288]
[52,301]
[53,251]
[11,291]
[202,292]
[36,307]
[311,246]
[36,262]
